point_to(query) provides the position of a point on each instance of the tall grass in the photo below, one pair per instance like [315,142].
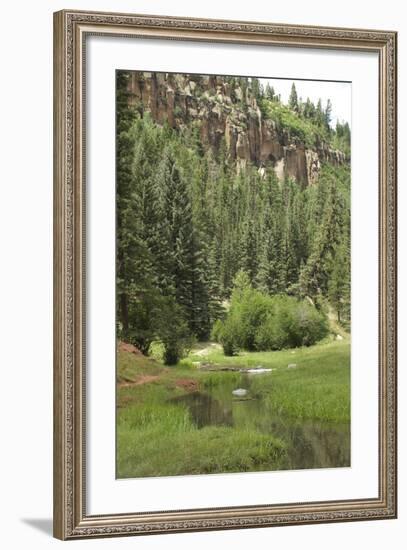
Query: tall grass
[318,388]
[157,437]
[318,392]
[213,379]
[163,447]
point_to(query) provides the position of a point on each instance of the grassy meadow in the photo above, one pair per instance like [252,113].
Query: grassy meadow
[157,435]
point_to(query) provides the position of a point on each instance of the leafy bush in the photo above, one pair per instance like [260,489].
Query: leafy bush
[291,323]
[230,336]
[305,131]
[248,314]
[259,322]
[271,335]
[216,332]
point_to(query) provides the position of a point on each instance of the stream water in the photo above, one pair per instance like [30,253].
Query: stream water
[310,444]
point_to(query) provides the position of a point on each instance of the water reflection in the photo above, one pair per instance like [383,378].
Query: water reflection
[309,444]
[205,410]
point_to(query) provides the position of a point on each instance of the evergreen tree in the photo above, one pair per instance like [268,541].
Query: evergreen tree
[137,297]
[339,282]
[256,88]
[309,109]
[215,308]
[202,302]
[328,114]
[271,276]
[293,99]
[191,223]
[173,331]
[124,145]
[315,273]
[270,93]
[134,262]
[319,114]
[248,248]
[178,213]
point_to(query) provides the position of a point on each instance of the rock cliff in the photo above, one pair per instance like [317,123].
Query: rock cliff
[223,110]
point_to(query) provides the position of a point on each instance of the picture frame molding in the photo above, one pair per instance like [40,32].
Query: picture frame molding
[70,31]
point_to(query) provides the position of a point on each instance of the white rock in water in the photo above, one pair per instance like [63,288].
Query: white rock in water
[292,366]
[257,370]
[240,392]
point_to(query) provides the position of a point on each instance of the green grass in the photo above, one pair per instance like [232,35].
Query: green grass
[312,390]
[318,388]
[213,379]
[162,440]
[337,350]
[157,436]
[130,366]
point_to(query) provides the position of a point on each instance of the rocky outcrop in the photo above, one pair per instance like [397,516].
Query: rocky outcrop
[224,112]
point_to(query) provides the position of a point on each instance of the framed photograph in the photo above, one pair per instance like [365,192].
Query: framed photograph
[225,274]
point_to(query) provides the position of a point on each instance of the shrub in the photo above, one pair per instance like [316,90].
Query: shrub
[271,335]
[291,323]
[307,325]
[250,314]
[260,322]
[230,336]
[299,128]
[226,334]
[216,332]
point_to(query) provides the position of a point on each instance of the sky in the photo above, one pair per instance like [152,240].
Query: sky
[338,92]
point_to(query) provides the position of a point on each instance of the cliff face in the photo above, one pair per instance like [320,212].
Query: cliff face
[223,110]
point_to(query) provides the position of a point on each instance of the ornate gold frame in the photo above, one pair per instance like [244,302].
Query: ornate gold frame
[70,518]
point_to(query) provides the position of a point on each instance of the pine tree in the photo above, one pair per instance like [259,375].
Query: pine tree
[137,297]
[271,275]
[270,93]
[188,220]
[179,217]
[295,231]
[328,114]
[201,318]
[293,99]
[215,308]
[309,109]
[256,88]
[339,282]
[314,276]
[319,114]
[133,258]
[181,262]
[248,249]
[124,145]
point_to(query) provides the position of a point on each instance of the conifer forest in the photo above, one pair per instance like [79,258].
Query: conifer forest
[232,276]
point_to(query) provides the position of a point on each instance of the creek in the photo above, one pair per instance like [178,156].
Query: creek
[310,444]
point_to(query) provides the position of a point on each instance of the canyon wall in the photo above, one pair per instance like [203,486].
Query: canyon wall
[227,113]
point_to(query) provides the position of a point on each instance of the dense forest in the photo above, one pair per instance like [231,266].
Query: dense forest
[194,225]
